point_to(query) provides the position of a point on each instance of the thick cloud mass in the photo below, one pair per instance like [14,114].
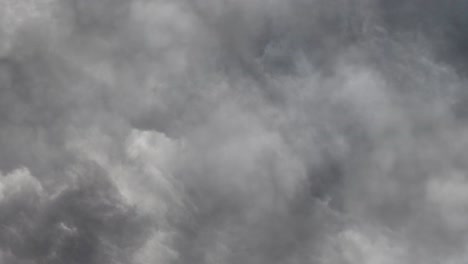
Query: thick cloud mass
[233,131]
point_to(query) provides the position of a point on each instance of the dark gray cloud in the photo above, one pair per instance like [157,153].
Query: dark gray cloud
[221,131]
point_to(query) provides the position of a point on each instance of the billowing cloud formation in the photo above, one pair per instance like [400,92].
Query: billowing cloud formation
[222,131]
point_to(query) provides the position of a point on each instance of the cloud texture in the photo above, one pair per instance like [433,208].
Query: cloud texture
[233,131]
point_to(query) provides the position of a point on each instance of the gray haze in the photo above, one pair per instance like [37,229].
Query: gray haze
[233,131]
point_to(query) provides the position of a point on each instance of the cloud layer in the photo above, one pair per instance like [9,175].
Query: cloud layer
[222,131]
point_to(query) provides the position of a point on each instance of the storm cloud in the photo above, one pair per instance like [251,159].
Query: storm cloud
[233,131]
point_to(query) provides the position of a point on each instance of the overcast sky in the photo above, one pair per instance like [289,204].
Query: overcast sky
[233,131]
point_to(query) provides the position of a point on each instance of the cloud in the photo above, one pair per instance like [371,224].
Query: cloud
[219,131]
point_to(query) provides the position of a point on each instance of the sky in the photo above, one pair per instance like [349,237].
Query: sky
[233,131]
